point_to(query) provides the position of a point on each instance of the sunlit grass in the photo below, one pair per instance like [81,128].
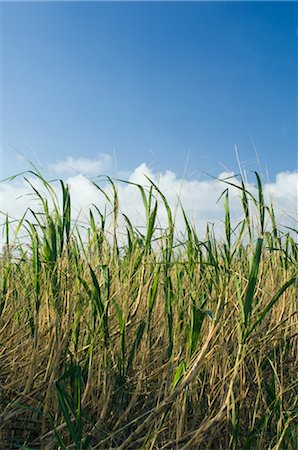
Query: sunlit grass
[150,342]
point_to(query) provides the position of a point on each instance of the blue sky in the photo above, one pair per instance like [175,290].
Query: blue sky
[150,82]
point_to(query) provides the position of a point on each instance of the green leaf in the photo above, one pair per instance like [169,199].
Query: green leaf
[272,302]
[179,374]
[252,282]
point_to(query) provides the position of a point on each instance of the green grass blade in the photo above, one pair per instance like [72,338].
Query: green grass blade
[261,203]
[252,282]
[65,409]
[272,302]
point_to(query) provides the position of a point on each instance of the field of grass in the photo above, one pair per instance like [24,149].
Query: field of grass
[148,342]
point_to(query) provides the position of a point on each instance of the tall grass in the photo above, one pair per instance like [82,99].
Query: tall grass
[151,342]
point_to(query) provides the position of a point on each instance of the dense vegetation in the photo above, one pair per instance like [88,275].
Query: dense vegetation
[155,342]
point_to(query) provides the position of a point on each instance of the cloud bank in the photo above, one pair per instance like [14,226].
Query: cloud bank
[199,198]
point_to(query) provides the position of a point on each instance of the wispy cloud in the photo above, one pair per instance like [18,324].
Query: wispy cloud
[85,166]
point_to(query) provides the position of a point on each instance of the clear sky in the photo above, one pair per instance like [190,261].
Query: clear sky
[150,82]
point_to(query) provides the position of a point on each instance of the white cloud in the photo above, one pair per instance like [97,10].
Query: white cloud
[284,192]
[83,165]
[198,197]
